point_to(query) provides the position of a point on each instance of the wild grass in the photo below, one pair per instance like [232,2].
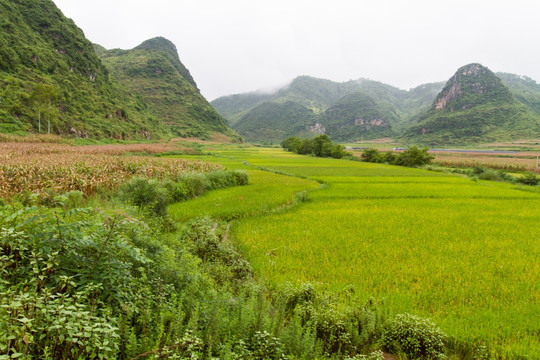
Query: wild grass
[462,253]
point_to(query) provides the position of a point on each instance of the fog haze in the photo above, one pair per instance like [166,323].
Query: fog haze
[238,46]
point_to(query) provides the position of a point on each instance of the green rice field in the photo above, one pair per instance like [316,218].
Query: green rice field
[463,253]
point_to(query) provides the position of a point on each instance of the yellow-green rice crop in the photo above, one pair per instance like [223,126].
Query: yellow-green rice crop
[266,191]
[463,253]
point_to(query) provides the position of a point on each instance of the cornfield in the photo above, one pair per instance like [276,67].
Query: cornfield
[513,163]
[36,167]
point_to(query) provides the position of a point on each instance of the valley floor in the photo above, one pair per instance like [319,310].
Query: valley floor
[462,253]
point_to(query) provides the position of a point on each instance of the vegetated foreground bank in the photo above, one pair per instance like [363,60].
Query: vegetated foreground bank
[106,273]
[83,280]
[460,252]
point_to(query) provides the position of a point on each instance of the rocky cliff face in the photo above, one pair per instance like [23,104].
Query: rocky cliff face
[470,81]
[474,106]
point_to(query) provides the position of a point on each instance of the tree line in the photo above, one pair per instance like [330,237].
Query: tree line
[320,146]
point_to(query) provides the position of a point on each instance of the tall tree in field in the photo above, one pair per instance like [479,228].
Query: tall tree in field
[44,96]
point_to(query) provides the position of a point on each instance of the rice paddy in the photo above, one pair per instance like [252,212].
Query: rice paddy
[462,253]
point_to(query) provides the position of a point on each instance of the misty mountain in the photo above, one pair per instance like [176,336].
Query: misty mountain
[476,106]
[348,111]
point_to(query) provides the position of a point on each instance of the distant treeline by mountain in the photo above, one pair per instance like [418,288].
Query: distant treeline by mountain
[53,81]
[474,106]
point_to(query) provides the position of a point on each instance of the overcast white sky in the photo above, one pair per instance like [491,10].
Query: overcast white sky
[234,46]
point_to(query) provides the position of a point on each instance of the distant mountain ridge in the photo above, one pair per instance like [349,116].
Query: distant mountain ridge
[353,110]
[52,80]
[473,106]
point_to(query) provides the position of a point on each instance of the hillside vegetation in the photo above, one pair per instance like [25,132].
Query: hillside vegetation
[474,106]
[52,81]
[482,108]
[349,111]
[154,71]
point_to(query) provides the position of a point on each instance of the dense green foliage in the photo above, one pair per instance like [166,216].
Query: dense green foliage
[474,107]
[414,336]
[320,146]
[81,282]
[529,179]
[154,71]
[482,173]
[40,48]
[410,157]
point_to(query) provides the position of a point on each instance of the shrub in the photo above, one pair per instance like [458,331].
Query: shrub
[371,155]
[241,177]
[494,175]
[266,346]
[154,195]
[338,152]
[301,197]
[415,336]
[219,258]
[222,179]
[529,179]
[147,194]
[414,157]
[389,157]
[195,183]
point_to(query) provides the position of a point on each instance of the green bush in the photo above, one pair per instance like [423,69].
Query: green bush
[223,179]
[195,183]
[415,336]
[371,155]
[267,347]
[529,179]
[389,157]
[320,146]
[414,157]
[494,175]
[219,258]
[241,178]
[66,273]
[147,194]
